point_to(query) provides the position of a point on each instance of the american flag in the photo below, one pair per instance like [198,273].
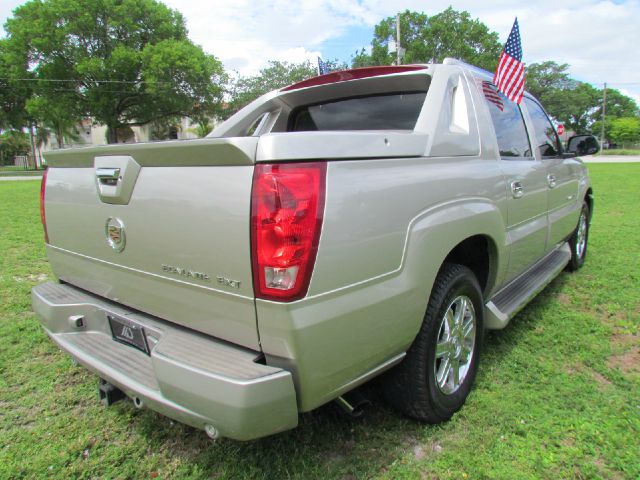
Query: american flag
[509,76]
[323,67]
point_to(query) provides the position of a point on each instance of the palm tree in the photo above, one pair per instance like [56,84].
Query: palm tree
[203,128]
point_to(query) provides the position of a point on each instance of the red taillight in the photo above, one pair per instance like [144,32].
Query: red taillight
[287,203]
[43,217]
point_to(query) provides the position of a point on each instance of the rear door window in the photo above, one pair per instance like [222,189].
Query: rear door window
[508,123]
[396,111]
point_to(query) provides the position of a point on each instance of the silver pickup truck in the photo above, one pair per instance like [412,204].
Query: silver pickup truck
[364,222]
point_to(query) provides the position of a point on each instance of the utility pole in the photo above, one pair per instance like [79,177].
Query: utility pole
[604,110]
[398,39]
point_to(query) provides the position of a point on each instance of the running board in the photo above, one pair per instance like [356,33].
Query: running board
[504,305]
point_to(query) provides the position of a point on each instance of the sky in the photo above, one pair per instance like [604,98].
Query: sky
[599,39]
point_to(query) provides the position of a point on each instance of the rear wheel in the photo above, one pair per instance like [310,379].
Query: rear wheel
[579,239]
[434,379]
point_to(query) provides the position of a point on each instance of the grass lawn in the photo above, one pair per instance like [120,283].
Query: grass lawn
[10,168]
[557,395]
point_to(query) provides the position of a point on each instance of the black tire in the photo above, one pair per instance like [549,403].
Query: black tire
[413,387]
[579,240]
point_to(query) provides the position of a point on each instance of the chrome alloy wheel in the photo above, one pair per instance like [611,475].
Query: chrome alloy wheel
[581,237]
[455,345]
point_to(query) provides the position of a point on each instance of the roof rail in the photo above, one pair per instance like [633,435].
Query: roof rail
[478,70]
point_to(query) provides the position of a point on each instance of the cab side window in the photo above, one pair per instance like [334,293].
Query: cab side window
[546,137]
[508,123]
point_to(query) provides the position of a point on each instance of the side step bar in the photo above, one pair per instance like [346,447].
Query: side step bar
[505,304]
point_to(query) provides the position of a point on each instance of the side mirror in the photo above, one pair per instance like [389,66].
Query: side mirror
[583,145]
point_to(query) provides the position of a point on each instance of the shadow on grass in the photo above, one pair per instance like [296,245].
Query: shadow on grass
[327,442]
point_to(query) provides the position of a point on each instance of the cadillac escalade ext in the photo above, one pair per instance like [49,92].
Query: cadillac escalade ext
[364,222]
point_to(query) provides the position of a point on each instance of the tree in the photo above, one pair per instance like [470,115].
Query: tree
[625,130]
[57,114]
[14,91]
[41,137]
[166,128]
[574,106]
[543,78]
[618,105]
[361,59]
[577,104]
[122,62]
[203,128]
[12,143]
[275,75]
[430,39]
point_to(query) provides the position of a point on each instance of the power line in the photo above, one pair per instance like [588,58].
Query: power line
[121,82]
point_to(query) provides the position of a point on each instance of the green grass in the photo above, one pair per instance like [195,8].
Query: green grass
[557,396]
[620,151]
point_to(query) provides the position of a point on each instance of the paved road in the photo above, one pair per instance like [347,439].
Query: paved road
[612,159]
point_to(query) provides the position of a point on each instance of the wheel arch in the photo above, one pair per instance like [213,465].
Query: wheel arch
[479,254]
[588,197]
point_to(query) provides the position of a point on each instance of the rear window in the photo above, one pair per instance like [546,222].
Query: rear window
[395,111]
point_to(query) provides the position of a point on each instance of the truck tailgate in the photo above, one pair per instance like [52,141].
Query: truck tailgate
[178,247]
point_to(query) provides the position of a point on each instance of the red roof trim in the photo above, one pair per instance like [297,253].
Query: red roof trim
[356,73]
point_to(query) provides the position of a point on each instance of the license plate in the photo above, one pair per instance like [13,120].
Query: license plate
[128,332]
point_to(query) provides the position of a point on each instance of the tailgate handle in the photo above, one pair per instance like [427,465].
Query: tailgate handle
[108,176]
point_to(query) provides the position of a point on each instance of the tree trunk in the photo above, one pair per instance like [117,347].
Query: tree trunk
[33,146]
[60,138]
[112,134]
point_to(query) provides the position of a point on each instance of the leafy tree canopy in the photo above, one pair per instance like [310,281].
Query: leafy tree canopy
[577,104]
[275,75]
[14,92]
[625,130]
[431,39]
[13,142]
[545,77]
[123,62]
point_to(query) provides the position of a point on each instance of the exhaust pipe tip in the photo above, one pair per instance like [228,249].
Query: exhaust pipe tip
[137,401]
[353,403]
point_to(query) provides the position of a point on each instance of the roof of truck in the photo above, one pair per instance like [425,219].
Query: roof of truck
[375,71]
[353,74]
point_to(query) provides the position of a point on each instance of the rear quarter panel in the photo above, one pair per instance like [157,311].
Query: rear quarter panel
[388,226]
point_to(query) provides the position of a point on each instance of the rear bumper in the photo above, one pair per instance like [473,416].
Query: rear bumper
[188,376]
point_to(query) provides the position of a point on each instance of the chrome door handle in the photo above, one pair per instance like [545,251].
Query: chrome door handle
[108,176]
[516,189]
[551,180]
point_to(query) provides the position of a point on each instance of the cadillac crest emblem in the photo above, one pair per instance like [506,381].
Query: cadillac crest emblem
[114,230]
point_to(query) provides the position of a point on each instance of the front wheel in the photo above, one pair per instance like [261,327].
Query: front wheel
[434,379]
[579,239]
